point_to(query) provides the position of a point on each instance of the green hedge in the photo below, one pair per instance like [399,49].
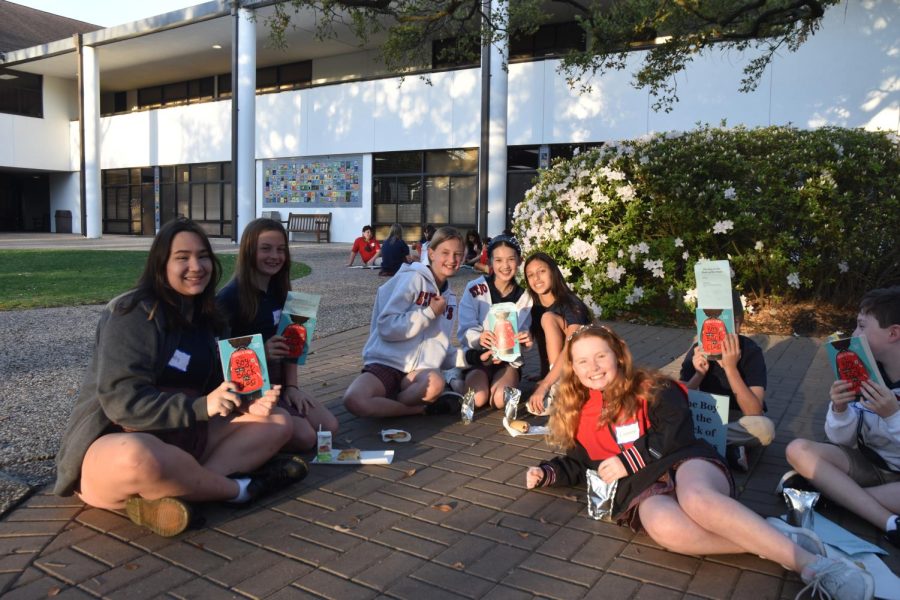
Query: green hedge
[802,215]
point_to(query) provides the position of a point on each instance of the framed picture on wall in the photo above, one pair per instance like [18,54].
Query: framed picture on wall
[313,181]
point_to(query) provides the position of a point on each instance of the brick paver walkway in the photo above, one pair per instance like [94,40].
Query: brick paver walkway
[450,518]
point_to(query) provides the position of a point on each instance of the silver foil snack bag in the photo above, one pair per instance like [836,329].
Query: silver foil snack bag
[511,398]
[600,496]
[800,505]
[467,412]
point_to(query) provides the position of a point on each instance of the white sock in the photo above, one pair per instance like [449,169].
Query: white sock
[891,523]
[242,495]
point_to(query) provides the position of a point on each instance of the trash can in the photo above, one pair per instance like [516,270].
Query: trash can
[63,221]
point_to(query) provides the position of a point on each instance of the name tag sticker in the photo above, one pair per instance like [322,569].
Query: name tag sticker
[180,361]
[276,316]
[625,434]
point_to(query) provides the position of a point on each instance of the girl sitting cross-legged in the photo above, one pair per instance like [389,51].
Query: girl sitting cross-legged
[635,426]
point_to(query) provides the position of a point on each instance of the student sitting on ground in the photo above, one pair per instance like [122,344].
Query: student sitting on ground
[474,248]
[635,427]
[490,376]
[741,375]
[556,313]
[427,234]
[252,303]
[409,338]
[367,247]
[394,252]
[154,426]
[860,468]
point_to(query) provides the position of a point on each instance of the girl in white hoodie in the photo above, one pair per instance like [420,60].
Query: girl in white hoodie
[489,377]
[409,338]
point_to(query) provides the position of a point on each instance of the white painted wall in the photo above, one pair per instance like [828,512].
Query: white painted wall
[30,143]
[64,188]
[847,74]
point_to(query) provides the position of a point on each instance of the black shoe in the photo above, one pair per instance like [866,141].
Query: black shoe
[448,403]
[737,458]
[276,474]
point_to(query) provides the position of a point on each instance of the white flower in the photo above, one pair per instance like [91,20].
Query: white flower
[599,197]
[614,271]
[601,239]
[643,248]
[636,294]
[566,272]
[730,194]
[580,250]
[671,292]
[843,267]
[620,253]
[748,308]
[594,308]
[759,246]
[685,255]
[679,243]
[626,192]
[690,297]
[793,280]
[655,266]
[723,226]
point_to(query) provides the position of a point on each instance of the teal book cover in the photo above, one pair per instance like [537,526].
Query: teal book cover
[503,322]
[244,364]
[298,324]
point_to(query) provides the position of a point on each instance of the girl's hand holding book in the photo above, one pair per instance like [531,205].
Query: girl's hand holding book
[223,400]
[263,406]
[277,347]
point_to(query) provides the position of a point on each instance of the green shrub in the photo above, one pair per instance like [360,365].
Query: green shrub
[801,215]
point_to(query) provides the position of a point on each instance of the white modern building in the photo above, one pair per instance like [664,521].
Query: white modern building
[126,127]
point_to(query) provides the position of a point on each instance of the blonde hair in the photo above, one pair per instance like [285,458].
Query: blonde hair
[442,235]
[621,398]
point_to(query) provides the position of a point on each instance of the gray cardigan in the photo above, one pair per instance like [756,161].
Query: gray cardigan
[130,353]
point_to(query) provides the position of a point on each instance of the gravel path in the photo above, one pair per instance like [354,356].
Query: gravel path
[47,350]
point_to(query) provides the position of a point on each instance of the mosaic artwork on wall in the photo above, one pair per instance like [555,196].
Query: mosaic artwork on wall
[313,181]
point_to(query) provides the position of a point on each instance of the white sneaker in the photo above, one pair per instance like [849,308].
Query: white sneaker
[805,538]
[837,579]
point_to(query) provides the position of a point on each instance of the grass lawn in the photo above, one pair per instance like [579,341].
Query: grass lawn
[45,278]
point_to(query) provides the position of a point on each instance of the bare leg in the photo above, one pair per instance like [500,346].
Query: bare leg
[477,380]
[121,465]
[554,327]
[827,467]
[365,398]
[506,377]
[305,428]
[421,386]
[244,442]
[720,523]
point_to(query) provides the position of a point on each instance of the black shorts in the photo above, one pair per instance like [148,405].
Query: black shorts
[389,377]
[191,439]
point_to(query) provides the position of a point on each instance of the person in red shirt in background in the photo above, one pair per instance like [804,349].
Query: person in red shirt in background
[367,247]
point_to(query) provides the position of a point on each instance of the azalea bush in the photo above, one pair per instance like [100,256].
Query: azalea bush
[801,215]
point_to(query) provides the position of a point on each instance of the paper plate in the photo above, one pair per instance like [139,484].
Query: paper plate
[366,457]
[532,430]
[387,433]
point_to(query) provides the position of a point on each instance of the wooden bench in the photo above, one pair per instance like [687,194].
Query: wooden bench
[319,225]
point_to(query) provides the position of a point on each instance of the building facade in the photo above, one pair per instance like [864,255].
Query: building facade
[326,130]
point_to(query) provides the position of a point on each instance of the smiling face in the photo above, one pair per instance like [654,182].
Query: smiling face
[538,276]
[445,259]
[271,252]
[505,262]
[189,267]
[594,362]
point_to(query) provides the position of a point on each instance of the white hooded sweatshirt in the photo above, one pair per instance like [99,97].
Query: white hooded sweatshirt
[405,333]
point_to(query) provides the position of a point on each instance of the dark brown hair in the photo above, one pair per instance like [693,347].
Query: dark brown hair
[280,284]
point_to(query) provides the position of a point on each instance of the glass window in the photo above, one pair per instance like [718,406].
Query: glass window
[198,200]
[21,93]
[167,174]
[397,162]
[437,200]
[266,78]
[295,74]
[463,200]
[213,201]
[149,97]
[451,161]
[175,92]
[183,193]
[523,158]
[115,177]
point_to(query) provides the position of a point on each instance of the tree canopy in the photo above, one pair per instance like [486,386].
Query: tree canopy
[672,32]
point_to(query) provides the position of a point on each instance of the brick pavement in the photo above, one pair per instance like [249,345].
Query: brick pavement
[449,518]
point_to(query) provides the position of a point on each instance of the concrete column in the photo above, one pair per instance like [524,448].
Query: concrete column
[91,142]
[245,96]
[497,141]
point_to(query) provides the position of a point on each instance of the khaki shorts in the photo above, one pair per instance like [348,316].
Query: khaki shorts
[864,472]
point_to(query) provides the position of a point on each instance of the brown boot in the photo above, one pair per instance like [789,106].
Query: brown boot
[166,517]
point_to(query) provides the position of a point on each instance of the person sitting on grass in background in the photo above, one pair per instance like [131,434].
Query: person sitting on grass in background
[634,427]
[860,468]
[394,252]
[367,247]
[474,248]
[490,376]
[556,313]
[154,425]
[409,338]
[741,375]
[252,303]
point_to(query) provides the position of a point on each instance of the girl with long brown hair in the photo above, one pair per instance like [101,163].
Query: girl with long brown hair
[252,302]
[634,427]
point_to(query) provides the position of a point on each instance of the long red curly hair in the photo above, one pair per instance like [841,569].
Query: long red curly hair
[621,398]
